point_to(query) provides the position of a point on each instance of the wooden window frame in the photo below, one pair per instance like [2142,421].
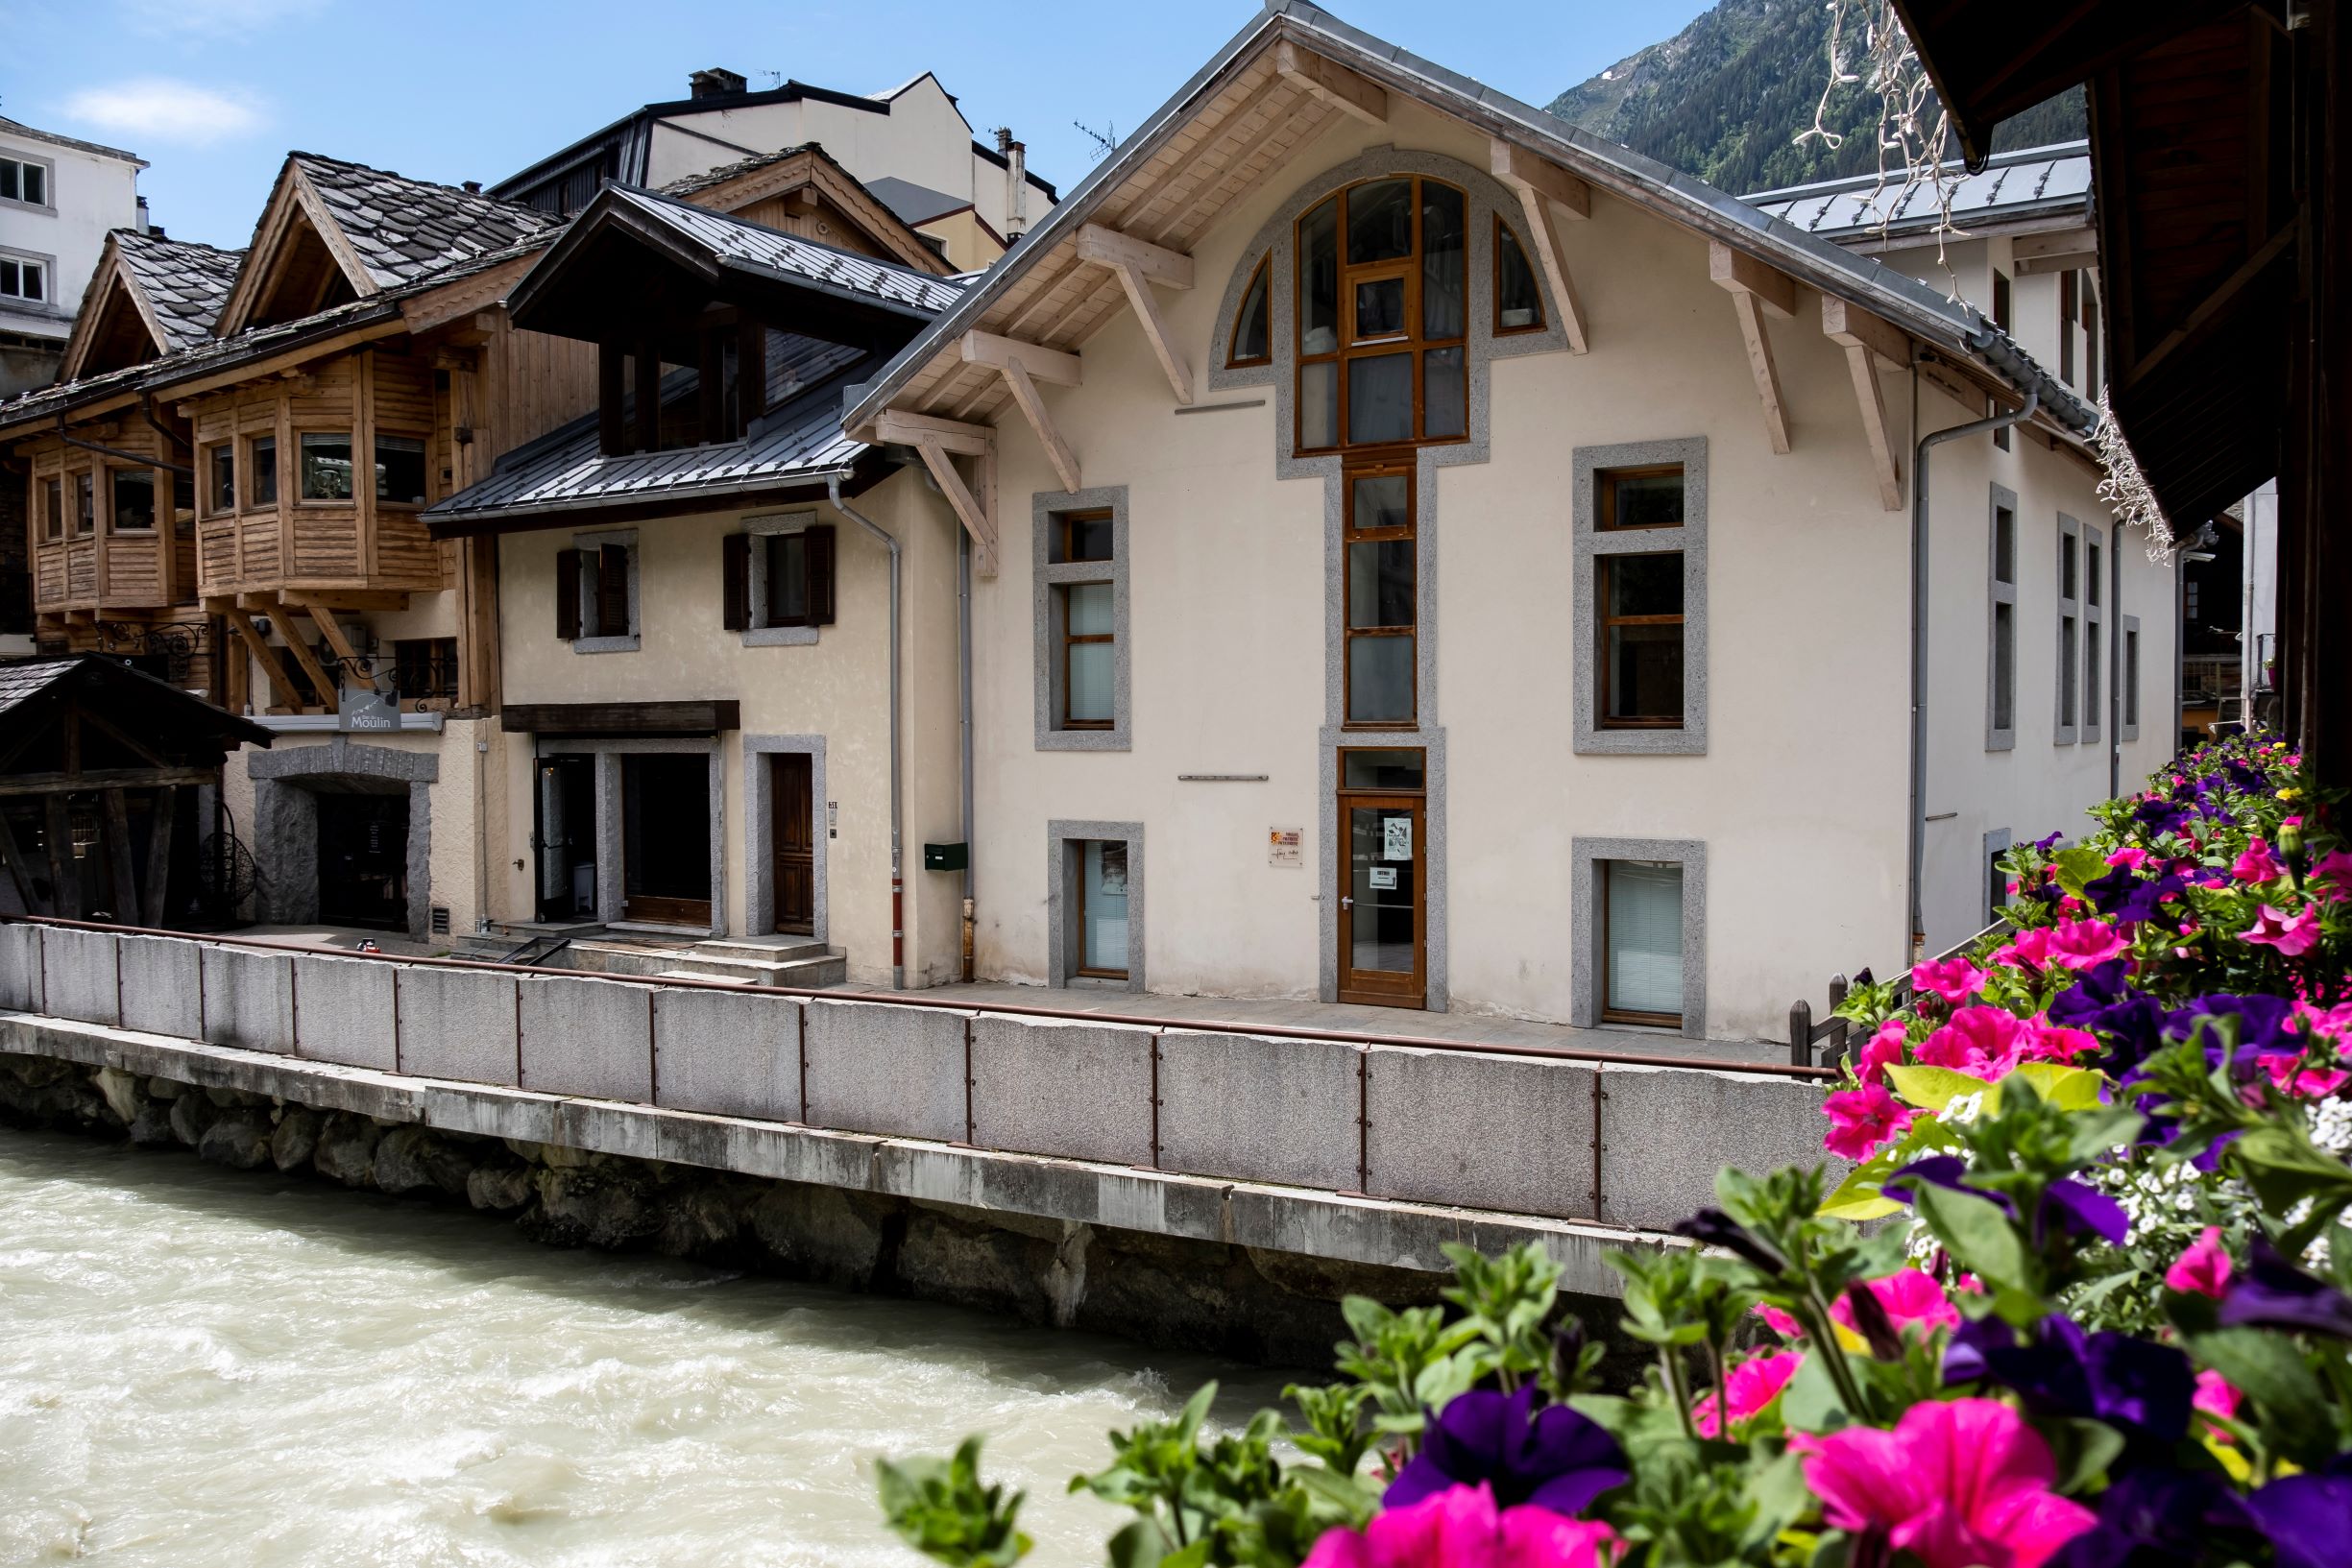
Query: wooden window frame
[353,499]
[1502,227]
[1260,277]
[425,444]
[1625,1015]
[53,510]
[211,503]
[1065,539]
[86,503]
[1059,552]
[254,468]
[1072,640]
[1078,937]
[113,472]
[434,661]
[1412,342]
[1349,536]
[1605,482]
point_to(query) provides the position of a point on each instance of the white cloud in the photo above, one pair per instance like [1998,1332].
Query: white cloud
[163,109]
[218,18]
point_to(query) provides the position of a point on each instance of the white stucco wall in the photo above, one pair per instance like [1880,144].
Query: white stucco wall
[90,193]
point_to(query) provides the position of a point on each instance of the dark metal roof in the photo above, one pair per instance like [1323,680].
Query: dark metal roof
[913,203]
[2032,181]
[737,242]
[184,283]
[1910,305]
[405,229]
[23,680]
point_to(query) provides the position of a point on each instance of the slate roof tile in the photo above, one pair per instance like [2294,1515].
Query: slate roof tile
[184,282]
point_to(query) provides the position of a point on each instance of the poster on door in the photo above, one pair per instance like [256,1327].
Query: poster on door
[1396,838]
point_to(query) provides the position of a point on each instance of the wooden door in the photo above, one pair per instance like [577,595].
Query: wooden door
[792,832]
[1383,913]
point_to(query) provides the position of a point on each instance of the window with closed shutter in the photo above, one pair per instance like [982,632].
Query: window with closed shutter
[613,590]
[735,581]
[568,594]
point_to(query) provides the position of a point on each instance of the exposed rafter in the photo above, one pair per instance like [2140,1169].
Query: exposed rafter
[1540,186]
[1870,341]
[1138,265]
[1348,91]
[282,686]
[1023,365]
[1757,289]
[941,442]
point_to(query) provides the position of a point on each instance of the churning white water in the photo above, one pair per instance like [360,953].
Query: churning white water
[204,1368]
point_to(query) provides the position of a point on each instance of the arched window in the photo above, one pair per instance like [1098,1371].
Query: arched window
[1382,317]
[1253,342]
[1518,303]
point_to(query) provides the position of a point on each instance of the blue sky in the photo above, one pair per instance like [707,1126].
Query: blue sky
[212,93]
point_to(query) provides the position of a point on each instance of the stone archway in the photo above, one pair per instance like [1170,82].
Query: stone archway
[286,789]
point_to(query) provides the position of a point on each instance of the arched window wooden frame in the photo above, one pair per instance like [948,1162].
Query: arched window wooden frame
[1440,420]
[1257,298]
[1506,243]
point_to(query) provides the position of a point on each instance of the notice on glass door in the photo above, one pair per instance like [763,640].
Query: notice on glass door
[1383,878]
[1396,838]
[1286,848]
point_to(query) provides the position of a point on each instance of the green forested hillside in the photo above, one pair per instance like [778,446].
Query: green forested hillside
[1725,98]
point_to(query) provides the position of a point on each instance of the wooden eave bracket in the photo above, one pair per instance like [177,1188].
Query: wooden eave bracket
[941,442]
[1757,289]
[1023,365]
[1870,341]
[1540,186]
[1137,266]
[1350,93]
[240,622]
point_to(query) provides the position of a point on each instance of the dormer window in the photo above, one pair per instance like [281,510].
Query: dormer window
[686,389]
[1383,317]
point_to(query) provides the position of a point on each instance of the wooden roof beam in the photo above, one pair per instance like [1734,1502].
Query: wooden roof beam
[1540,186]
[1043,363]
[1755,289]
[1348,91]
[1869,341]
[1138,265]
[967,507]
[282,686]
[896,425]
[2060,251]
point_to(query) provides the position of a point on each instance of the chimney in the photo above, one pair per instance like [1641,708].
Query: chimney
[1016,181]
[715,82]
[471,187]
[142,224]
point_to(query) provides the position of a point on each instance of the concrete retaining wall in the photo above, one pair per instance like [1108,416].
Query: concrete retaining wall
[1477,1132]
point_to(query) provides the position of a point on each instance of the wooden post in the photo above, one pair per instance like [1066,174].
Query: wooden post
[281,687]
[59,834]
[120,868]
[159,856]
[1801,1034]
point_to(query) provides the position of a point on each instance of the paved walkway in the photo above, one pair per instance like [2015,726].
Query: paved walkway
[1348,1019]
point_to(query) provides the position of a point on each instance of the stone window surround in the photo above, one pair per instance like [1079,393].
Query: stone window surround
[1046,616]
[1062,838]
[1593,542]
[1995,840]
[761,634]
[48,264]
[611,874]
[2126,671]
[49,185]
[287,821]
[2093,624]
[2062,733]
[596,538]
[759,818]
[1587,935]
[1998,592]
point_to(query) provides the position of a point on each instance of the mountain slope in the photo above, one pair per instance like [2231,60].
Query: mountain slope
[1726,97]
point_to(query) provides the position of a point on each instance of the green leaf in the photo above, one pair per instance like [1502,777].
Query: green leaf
[1810,1402]
[1932,1088]
[2084,1450]
[1142,1544]
[2078,865]
[1352,1497]
[1974,1231]
[2271,1371]
[2068,1088]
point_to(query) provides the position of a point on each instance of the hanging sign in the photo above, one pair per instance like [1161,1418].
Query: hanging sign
[1396,838]
[1286,848]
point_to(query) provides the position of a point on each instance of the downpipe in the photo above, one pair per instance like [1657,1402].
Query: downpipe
[963,674]
[1917,936]
[898,879]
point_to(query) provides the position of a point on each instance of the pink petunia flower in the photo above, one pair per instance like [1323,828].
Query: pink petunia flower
[2130,854]
[1881,1051]
[1911,1298]
[1960,1483]
[1462,1527]
[2335,868]
[2255,865]
[1982,1042]
[2072,944]
[1955,979]
[2293,937]
[1862,1119]
[2215,1396]
[2289,1076]
[2203,1268]
[2043,1041]
[1783,1325]
[1753,1385]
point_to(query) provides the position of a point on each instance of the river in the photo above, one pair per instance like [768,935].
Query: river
[199,1367]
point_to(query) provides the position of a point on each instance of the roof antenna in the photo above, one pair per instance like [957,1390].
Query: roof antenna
[1104,139]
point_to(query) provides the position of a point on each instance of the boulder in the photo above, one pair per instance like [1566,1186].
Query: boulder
[123,1090]
[296,1137]
[696,1216]
[499,1187]
[151,1127]
[345,1150]
[600,1206]
[165,1088]
[191,1115]
[411,1159]
[238,1138]
[823,1233]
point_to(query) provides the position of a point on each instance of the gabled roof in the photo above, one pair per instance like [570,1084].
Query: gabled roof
[732,187]
[380,229]
[1165,184]
[166,714]
[2036,182]
[170,291]
[913,203]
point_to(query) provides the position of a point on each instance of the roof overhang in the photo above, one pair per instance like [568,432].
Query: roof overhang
[696,500]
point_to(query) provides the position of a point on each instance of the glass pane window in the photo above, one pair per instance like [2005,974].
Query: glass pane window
[1383,888]
[1381,500]
[1318,280]
[788,579]
[1372,768]
[2067,588]
[1380,309]
[1380,400]
[1518,303]
[24,181]
[23,280]
[2004,545]
[1641,639]
[1445,393]
[1380,582]
[1383,289]
[134,499]
[326,467]
[2090,587]
[1086,536]
[2131,678]
[1443,306]
[86,503]
[1089,644]
[2004,666]
[53,508]
[221,474]
[400,470]
[1380,679]
[1640,497]
[2067,691]
[1101,900]
[1380,221]
[1643,941]
[1253,328]
[1382,609]
[1319,405]
[263,486]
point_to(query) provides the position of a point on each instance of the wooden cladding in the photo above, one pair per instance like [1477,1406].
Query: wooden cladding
[110,535]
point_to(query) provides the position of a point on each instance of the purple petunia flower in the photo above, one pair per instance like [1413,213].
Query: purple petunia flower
[1555,1458]
[2263,1022]
[2274,1293]
[2128,1022]
[2122,896]
[2157,1518]
[2141,1389]
[2308,1518]
[2068,1207]
[2160,816]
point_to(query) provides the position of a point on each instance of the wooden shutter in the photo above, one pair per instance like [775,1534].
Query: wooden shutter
[820,574]
[613,592]
[568,594]
[735,581]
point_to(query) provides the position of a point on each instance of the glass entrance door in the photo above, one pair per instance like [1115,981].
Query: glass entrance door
[1383,924]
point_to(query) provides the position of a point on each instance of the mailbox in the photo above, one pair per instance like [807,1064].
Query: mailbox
[946,857]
